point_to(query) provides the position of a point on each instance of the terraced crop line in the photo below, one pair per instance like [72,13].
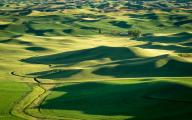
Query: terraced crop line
[33,99]
[20,109]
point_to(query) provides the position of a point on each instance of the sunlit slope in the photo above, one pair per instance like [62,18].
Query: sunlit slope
[11,92]
[47,58]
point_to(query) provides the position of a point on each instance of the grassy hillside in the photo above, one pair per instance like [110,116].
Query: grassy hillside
[120,100]
[11,93]
[95,60]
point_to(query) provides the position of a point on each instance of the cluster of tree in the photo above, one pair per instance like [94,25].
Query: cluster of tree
[131,33]
[185,54]
[134,33]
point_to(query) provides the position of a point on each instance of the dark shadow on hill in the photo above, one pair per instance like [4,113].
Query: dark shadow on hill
[179,23]
[121,24]
[188,44]
[180,37]
[148,69]
[36,32]
[151,16]
[88,28]
[125,99]
[114,53]
[55,74]
[133,61]
[16,41]
[177,17]
[2,27]
[68,30]
[168,47]
[36,49]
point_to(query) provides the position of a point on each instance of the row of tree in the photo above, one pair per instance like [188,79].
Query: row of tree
[131,33]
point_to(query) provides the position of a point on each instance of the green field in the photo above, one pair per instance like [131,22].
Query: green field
[11,94]
[81,61]
[117,100]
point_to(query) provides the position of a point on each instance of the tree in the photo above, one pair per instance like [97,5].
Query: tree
[99,30]
[134,33]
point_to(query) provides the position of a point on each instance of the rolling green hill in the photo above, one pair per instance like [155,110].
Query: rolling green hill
[95,60]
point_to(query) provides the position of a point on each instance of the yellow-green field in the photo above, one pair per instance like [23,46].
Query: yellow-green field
[81,65]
